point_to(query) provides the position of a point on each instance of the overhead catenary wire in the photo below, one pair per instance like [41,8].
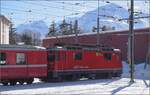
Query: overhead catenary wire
[75,4]
[48,6]
[24,11]
[37,11]
[66,9]
[20,11]
[60,8]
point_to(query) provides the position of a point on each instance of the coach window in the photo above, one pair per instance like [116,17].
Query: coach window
[78,56]
[2,58]
[107,56]
[20,58]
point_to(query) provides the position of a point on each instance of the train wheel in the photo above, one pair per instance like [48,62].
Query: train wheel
[109,76]
[67,78]
[21,82]
[118,75]
[5,83]
[13,83]
[74,78]
[30,81]
[98,76]
[92,76]
[44,79]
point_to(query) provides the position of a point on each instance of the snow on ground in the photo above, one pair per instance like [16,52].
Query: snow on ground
[140,72]
[101,86]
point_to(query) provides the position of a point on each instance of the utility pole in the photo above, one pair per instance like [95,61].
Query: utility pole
[98,37]
[148,51]
[131,41]
[76,31]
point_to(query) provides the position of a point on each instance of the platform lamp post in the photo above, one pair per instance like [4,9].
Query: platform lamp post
[131,41]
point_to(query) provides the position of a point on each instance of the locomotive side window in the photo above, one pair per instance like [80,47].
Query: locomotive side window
[2,58]
[107,56]
[78,56]
[57,56]
[51,58]
[20,58]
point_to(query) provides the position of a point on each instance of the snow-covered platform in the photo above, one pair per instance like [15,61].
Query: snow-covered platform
[101,86]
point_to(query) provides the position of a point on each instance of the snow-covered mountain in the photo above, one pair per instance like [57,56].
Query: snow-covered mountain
[110,15]
[36,26]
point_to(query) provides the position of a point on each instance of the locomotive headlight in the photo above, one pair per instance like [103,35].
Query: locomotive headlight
[59,47]
[98,54]
[116,49]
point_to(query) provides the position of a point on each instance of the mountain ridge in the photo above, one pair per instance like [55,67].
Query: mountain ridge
[109,16]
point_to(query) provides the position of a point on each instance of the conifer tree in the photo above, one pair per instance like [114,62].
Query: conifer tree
[76,27]
[64,27]
[12,35]
[52,29]
[71,28]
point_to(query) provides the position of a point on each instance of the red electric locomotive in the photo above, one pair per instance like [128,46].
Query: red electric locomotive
[76,61]
[21,64]
[68,62]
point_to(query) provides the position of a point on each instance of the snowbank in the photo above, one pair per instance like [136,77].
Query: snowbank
[140,72]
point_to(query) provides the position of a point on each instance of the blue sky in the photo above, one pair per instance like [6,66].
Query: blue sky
[25,11]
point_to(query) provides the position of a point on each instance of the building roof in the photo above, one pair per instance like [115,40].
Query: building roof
[20,47]
[2,17]
[102,32]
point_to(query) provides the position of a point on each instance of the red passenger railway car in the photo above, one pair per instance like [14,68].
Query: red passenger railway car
[21,64]
[63,62]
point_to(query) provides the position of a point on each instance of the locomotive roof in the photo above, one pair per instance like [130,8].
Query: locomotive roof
[83,47]
[20,47]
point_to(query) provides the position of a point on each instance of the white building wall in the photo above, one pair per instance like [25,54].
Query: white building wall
[0,31]
[4,30]
[7,34]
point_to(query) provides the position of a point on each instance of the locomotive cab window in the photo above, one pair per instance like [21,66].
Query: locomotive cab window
[2,58]
[107,56]
[51,58]
[20,58]
[78,56]
[57,56]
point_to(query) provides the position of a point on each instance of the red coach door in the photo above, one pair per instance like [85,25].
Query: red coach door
[21,65]
[3,66]
[17,67]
